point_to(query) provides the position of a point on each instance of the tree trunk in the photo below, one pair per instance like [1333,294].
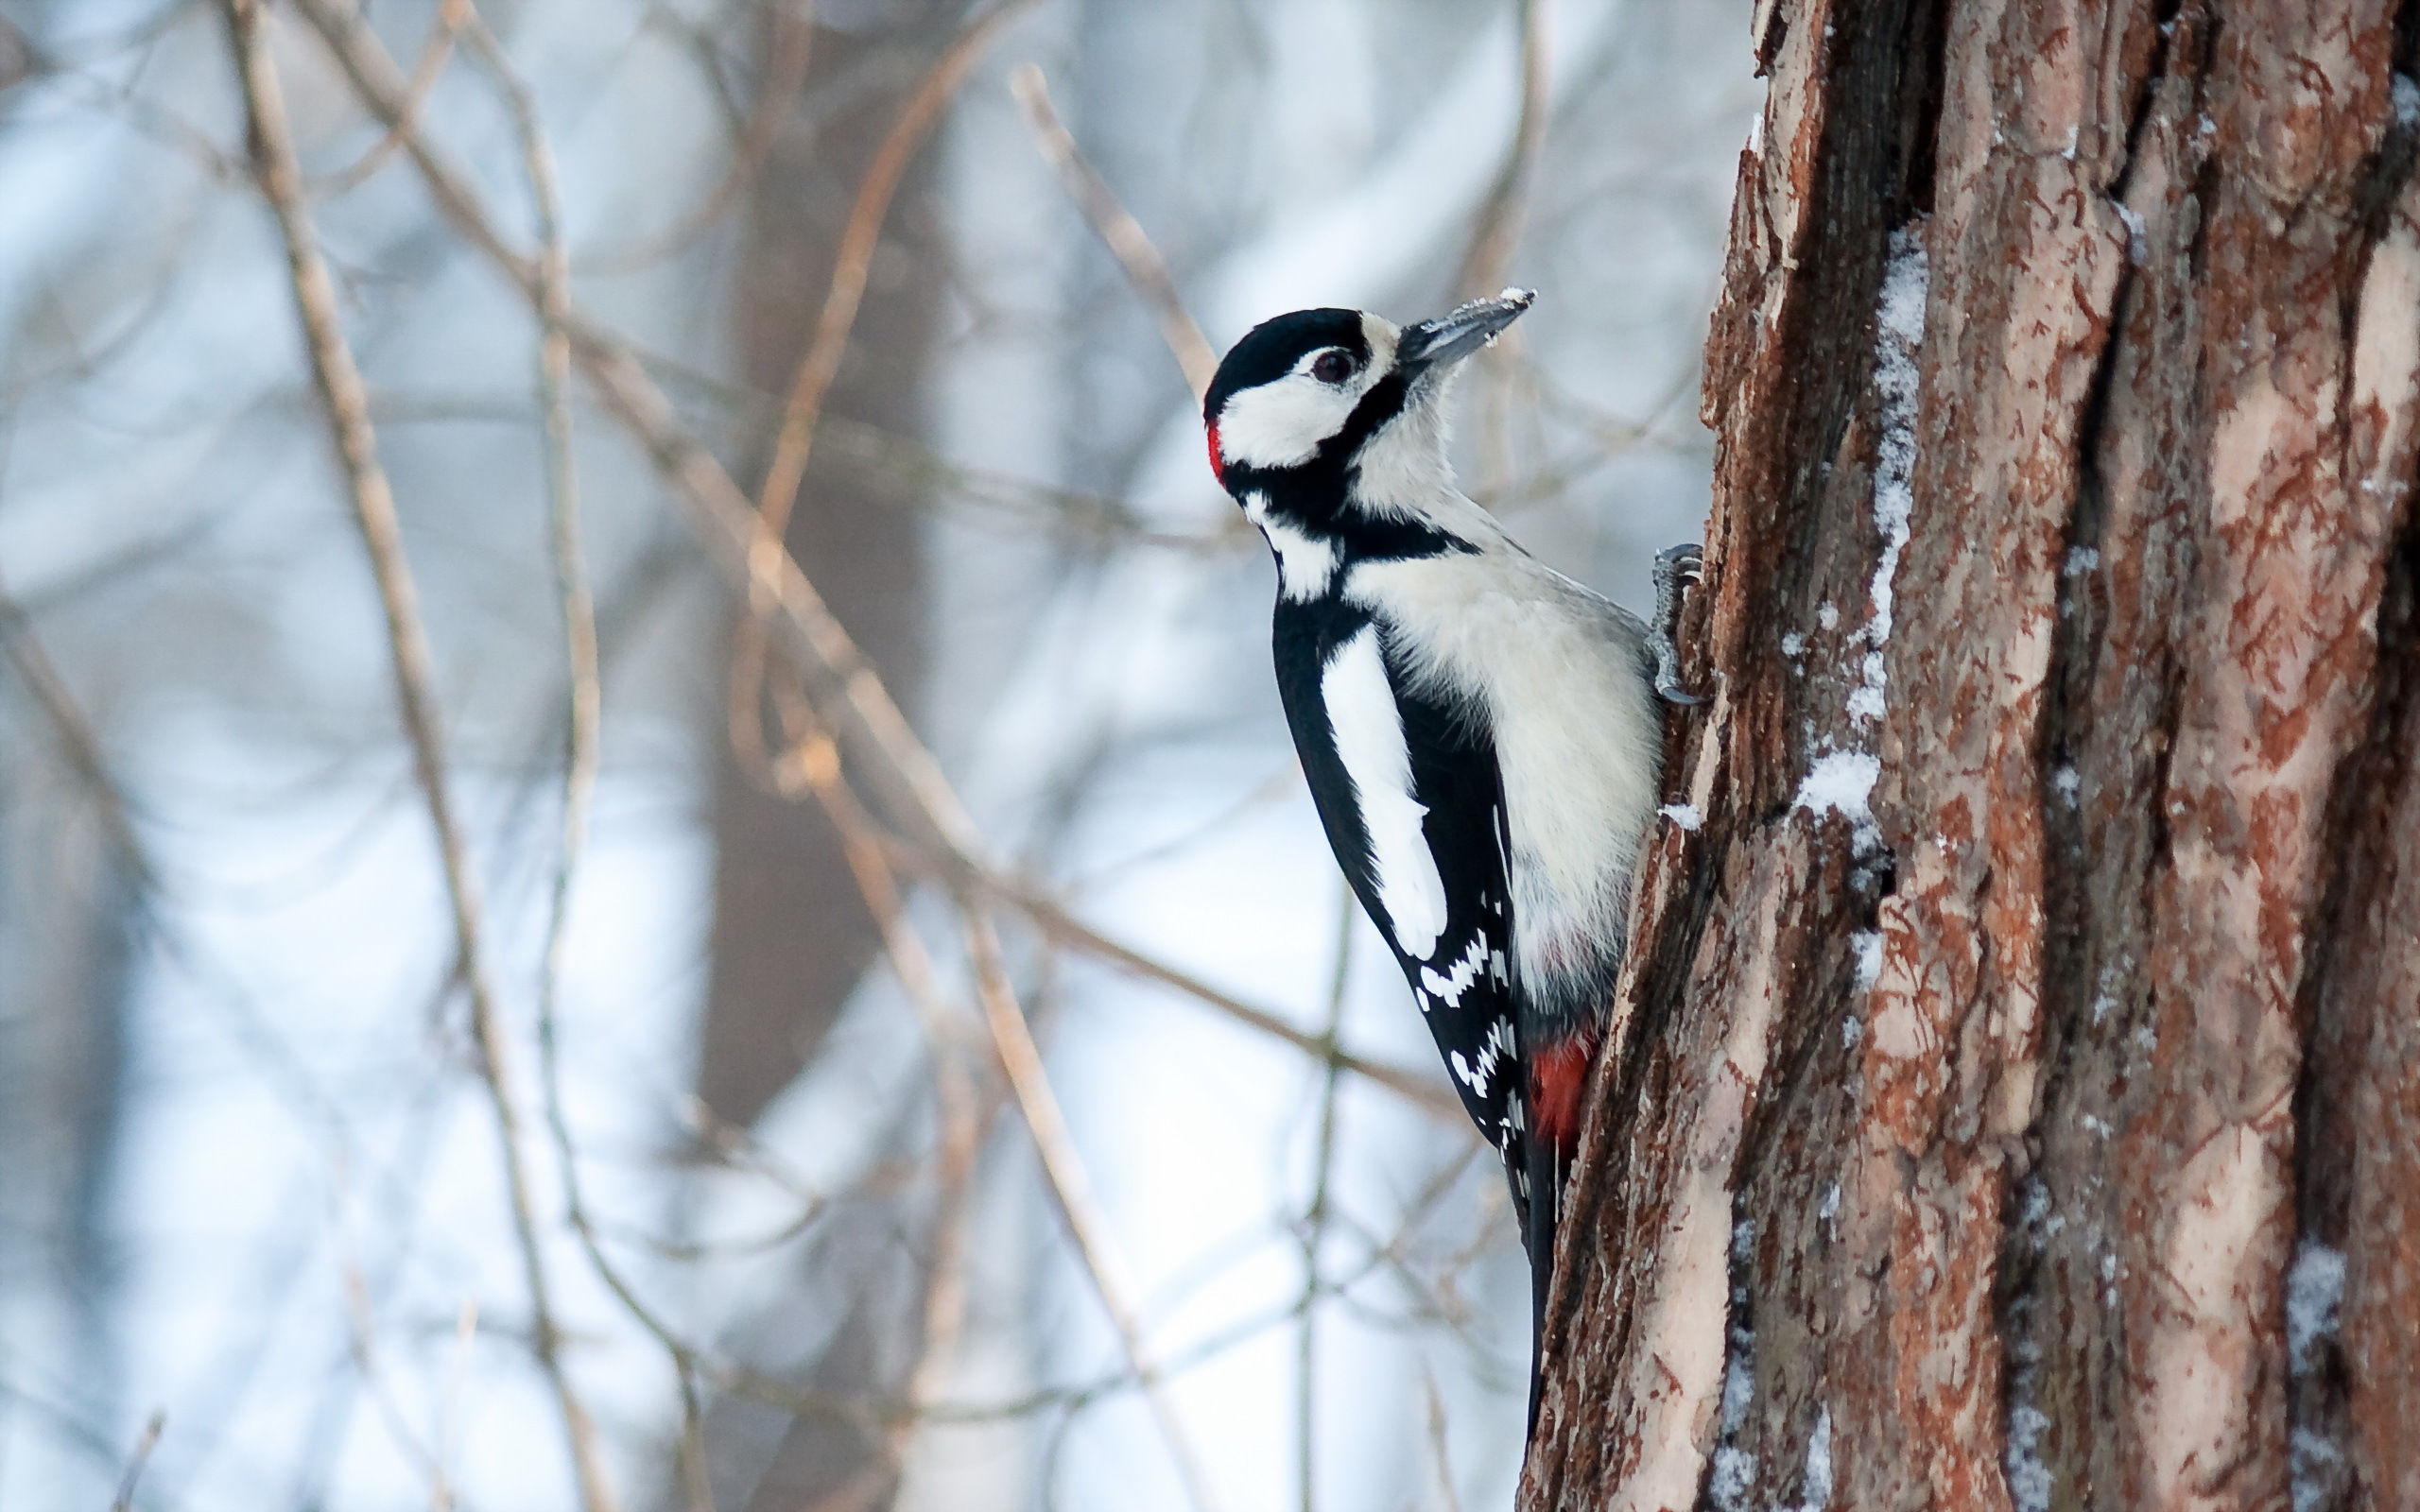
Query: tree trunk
[2019,1101]
[791,937]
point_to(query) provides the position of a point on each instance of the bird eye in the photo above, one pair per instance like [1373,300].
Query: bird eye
[1333,367]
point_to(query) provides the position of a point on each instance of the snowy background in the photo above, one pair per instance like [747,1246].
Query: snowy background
[249,1174]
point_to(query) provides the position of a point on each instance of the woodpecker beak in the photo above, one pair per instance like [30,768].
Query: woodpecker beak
[1452,336]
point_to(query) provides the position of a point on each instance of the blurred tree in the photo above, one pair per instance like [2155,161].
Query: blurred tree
[790,936]
[2023,1102]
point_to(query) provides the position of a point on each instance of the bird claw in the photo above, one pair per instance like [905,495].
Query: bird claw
[1674,566]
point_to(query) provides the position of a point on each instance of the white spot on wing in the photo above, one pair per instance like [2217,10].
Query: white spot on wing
[1458,980]
[1368,726]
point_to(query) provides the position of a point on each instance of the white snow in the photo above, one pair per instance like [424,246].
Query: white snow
[2069,782]
[1815,1487]
[1899,334]
[2315,1291]
[1841,783]
[2081,559]
[2029,1478]
[1793,645]
[2136,241]
[1683,815]
[2314,1463]
[2406,101]
[1867,945]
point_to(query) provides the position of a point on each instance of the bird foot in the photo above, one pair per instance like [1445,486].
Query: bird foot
[1674,566]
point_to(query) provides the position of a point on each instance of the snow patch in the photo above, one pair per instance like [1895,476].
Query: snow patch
[1793,645]
[2406,101]
[1841,783]
[2069,782]
[2314,1293]
[1867,945]
[1815,1487]
[1683,815]
[2029,1478]
[2081,559]
[2137,240]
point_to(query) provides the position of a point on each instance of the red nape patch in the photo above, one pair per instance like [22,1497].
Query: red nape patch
[1218,463]
[1557,1083]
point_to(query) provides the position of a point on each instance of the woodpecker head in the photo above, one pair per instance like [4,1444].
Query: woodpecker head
[1329,418]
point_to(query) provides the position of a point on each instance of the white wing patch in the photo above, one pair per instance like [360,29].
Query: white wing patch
[1368,726]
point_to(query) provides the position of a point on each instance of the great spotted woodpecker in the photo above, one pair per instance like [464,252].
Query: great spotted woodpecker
[1480,733]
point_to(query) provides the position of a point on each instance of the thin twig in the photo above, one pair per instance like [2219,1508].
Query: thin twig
[851,262]
[343,398]
[726,522]
[1315,1214]
[1144,268]
[1063,928]
[148,1441]
[1498,218]
[1013,1040]
[813,764]
[426,73]
[585,713]
[77,740]
[785,76]
[854,258]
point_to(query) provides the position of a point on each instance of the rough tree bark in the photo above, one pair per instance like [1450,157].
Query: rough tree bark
[2020,1099]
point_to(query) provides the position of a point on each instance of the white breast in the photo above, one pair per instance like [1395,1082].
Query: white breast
[1577,733]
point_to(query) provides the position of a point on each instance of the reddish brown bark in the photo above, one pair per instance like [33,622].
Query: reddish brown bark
[1982,1141]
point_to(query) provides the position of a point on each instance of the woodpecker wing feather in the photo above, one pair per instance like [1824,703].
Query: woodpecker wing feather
[1409,791]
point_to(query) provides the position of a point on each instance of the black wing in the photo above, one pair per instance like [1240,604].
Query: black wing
[1462,977]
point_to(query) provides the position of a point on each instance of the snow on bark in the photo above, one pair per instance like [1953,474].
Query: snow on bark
[2097,389]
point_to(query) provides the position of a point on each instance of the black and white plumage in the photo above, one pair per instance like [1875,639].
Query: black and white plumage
[1480,733]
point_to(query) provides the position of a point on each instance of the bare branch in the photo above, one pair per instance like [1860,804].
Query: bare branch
[1022,1060]
[785,76]
[1498,220]
[1119,231]
[75,735]
[841,680]
[149,1439]
[426,73]
[343,398]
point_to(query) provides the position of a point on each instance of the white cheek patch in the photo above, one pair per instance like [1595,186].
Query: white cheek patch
[1367,727]
[1281,423]
[1306,564]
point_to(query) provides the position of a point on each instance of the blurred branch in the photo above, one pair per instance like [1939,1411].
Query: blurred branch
[150,1440]
[1498,220]
[346,403]
[785,75]
[426,73]
[584,720]
[1119,231]
[77,741]
[1314,1228]
[813,763]
[1064,928]
[725,520]
[850,263]
[1022,1061]
[855,256]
